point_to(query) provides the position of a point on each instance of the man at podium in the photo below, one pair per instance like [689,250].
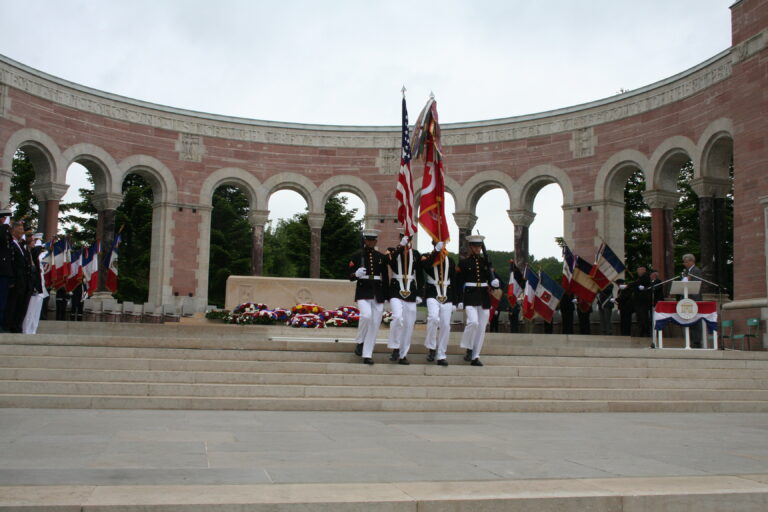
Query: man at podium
[692,273]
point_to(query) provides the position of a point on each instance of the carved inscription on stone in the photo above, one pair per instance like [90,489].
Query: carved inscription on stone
[388,160]
[190,147]
[583,142]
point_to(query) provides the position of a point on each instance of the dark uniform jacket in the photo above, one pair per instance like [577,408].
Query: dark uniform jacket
[624,299]
[374,286]
[474,270]
[642,297]
[604,298]
[448,270]
[6,251]
[415,285]
[20,269]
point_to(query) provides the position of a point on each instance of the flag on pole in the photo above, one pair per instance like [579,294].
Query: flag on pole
[607,266]
[569,261]
[531,282]
[75,275]
[111,265]
[426,137]
[548,295]
[516,284]
[582,285]
[404,191]
[60,268]
[91,267]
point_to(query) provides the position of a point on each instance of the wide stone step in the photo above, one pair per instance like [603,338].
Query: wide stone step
[308,379]
[381,404]
[374,392]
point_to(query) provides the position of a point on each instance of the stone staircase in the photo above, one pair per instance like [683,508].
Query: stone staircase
[220,367]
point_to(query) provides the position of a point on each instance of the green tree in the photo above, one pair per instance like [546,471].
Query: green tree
[78,219]
[135,217]
[22,197]
[231,235]
[637,223]
[685,217]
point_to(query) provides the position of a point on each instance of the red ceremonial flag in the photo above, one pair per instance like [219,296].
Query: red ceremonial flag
[427,143]
[582,285]
[404,191]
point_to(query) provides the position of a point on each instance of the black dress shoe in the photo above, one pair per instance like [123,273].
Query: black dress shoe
[442,362]
[431,355]
[395,355]
[367,360]
[404,361]
[359,349]
[468,355]
[476,362]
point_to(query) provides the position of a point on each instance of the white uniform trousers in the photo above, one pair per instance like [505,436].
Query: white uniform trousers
[401,327]
[368,327]
[32,318]
[438,326]
[474,330]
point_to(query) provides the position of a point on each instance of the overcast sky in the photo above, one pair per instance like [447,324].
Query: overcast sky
[344,62]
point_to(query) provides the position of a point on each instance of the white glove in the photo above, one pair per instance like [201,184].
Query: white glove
[439,246]
[574,300]
[495,283]
[613,300]
[404,241]
[641,287]
[418,300]
[460,306]
[453,308]
[361,272]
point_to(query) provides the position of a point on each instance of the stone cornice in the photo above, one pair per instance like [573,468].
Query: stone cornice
[69,94]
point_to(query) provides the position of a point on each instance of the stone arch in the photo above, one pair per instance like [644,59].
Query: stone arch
[42,151]
[613,175]
[159,176]
[472,190]
[100,164]
[240,178]
[353,184]
[716,148]
[296,182]
[535,179]
[666,161]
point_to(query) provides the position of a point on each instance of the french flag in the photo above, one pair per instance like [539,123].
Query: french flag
[516,284]
[569,261]
[61,264]
[548,295]
[531,282]
[91,267]
[607,266]
[111,264]
[75,275]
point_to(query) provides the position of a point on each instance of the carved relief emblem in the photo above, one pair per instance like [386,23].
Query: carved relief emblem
[190,147]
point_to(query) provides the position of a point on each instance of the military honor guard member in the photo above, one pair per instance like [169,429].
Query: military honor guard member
[370,269]
[19,289]
[473,278]
[439,292]
[37,284]
[404,295]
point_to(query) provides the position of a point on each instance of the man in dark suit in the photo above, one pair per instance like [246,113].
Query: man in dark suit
[692,273]
[19,293]
[6,263]
[641,291]
[624,301]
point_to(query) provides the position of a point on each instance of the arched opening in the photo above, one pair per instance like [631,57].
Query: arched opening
[637,220]
[231,238]
[23,201]
[134,220]
[77,215]
[287,235]
[547,225]
[341,234]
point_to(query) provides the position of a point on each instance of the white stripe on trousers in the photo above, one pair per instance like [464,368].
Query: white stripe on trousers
[474,330]
[438,326]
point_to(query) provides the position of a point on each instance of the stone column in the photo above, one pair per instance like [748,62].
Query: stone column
[610,226]
[662,203]
[711,257]
[106,207]
[49,195]
[257,219]
[522,220]
[316,221]
[465,221]
[5,186]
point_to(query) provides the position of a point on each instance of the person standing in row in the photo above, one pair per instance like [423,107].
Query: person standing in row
[37,285]
[474,276]
[369,268]
[404,289]
[6,263]
[643,296]
[439,292]
[626,307]
[19,290]
[605,302]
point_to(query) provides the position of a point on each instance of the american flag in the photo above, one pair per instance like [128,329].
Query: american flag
[404,191]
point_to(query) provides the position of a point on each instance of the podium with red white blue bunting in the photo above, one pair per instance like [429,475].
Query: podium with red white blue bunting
[685,313]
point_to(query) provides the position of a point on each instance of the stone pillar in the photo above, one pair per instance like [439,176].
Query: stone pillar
[522,220]
[5,186]
[257,219]
[465,221]
[610,226]
[662,203]
[711,259]
[106,207]
[316,221]
[49,195]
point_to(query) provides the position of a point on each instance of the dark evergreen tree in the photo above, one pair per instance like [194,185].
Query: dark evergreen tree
[134,215]
[685,218]
[341,235]
[23,200]
[637,224]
